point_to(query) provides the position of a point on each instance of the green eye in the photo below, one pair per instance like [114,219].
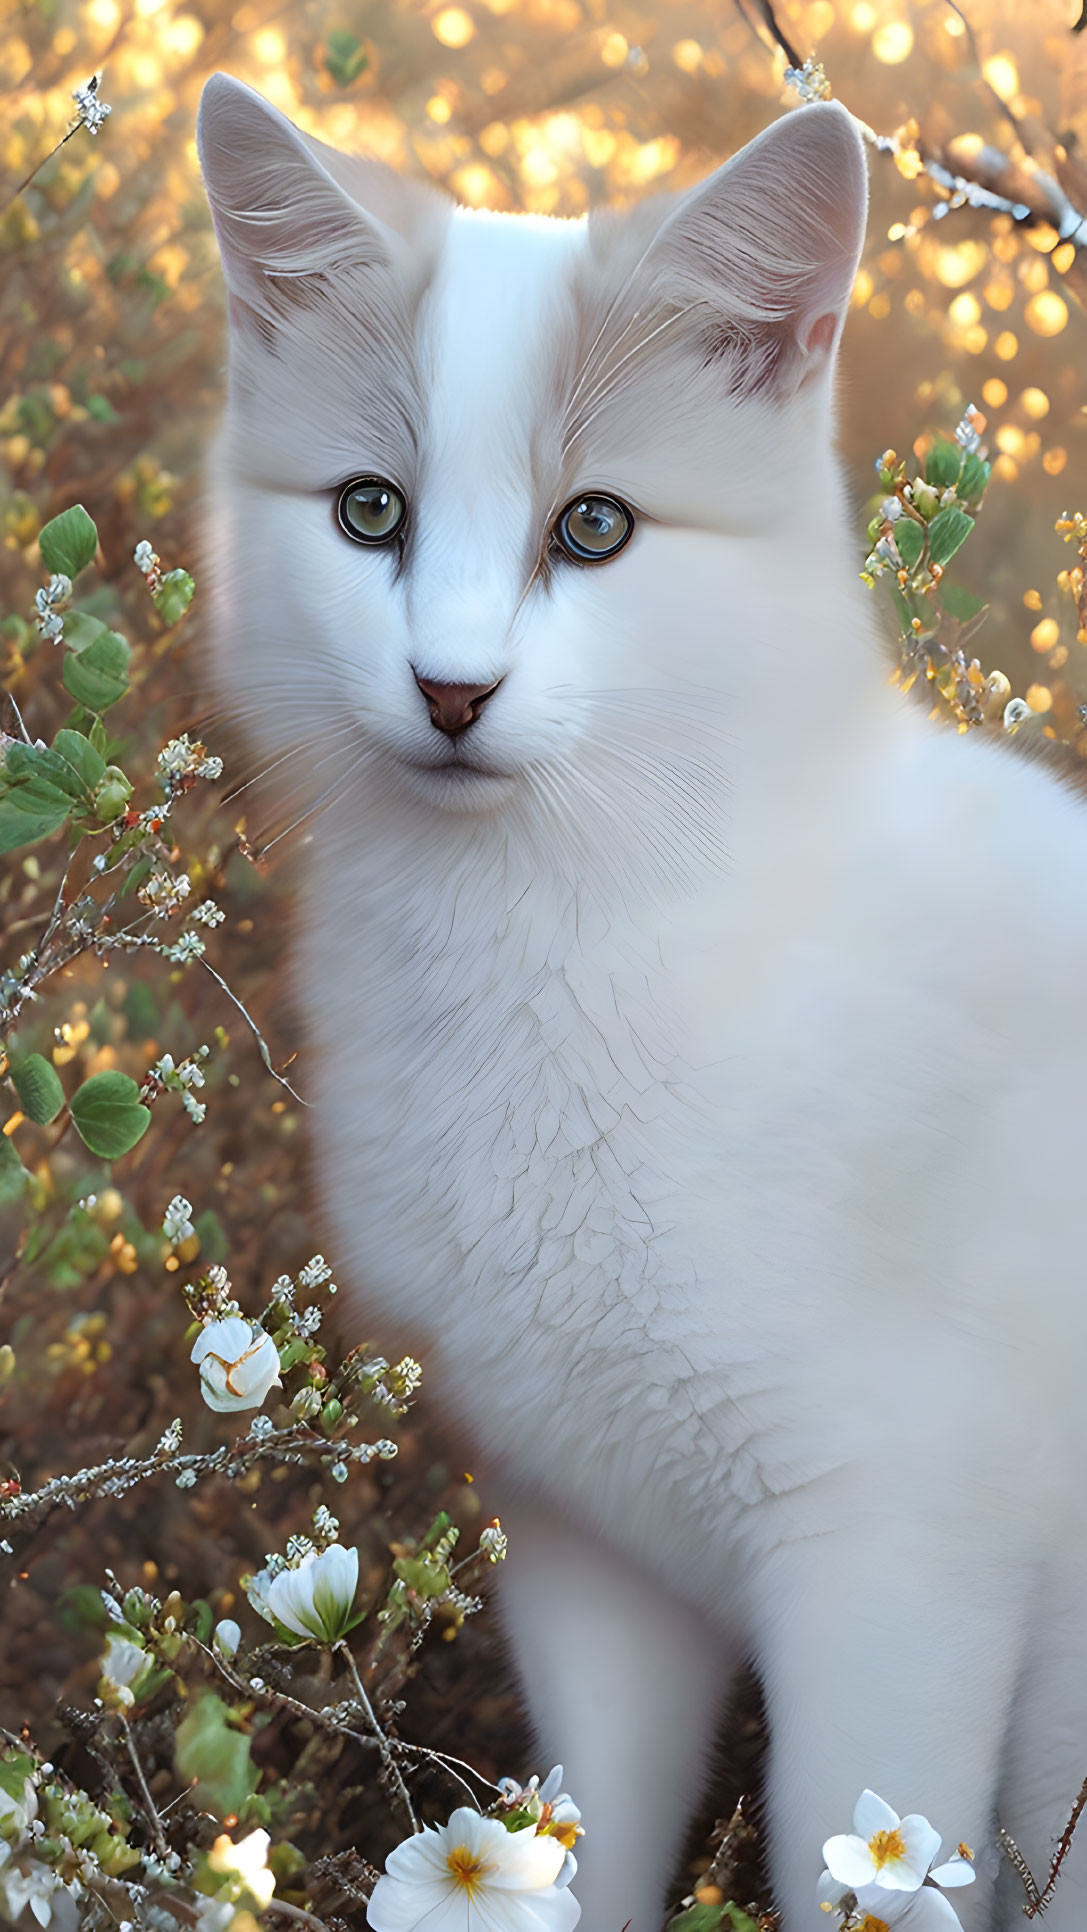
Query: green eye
[594,528]
[370,510]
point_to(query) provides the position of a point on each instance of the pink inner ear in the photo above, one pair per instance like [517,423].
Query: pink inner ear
[821,334]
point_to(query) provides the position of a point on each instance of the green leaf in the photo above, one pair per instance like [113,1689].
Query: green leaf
[173,596]
[947,532]
[98,675]
[81,629]
[910,541]
[960,603]
[25,824]
[69,542]
[972,483]
[99,736]
[81,755]
[41,1095]
[208,1750]
[13,1175]
[943,463]
[345,57]
[101,410]
[108,1114]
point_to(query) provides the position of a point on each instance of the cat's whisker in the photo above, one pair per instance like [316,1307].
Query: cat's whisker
[294,751]
[338,788]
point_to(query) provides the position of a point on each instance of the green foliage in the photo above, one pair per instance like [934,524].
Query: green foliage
[345,57]
[108,1114]
[212,1754]
[14,1177]
[910,539]
[947,533]
[41,1095]
[943,464]
[97,675]
[69,542]
[87,763]
[713,1918]
[173,596]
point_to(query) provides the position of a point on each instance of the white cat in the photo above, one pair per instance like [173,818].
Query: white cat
[696,1033]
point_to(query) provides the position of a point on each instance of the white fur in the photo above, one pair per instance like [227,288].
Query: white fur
[703,1077]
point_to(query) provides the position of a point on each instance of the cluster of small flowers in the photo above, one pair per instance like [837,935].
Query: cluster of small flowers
[208,914]
[968,430]
[511,1868]
[147,560]
[884,1873]
[188,946]
[181,759]
[162,892]
[315,1273]
[494,1542]
[810,81]
[91,111]
[177,1221]
[164,1075]
[170,1439]
[47,603]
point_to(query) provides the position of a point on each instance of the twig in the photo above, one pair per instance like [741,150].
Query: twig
[256,1032]
[25,183]
[150,1811]
[392,1769]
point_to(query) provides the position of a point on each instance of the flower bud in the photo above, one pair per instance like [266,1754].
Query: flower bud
[239,1364]
[225,1638]
[111,794]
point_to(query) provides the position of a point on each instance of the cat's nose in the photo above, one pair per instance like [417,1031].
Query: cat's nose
[453,707]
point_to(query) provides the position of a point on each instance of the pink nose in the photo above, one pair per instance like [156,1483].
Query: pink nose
[453,707]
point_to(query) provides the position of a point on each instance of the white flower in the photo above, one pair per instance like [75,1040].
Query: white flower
[315,1272]
[247,1861]
[144,557]
[239,1363]
[470,1873]
[56,592]
[34,1887]
[208,913]
[887,1853]
[177,1220]
[92,112]
[123,1663]
[16,1814]
[225,1638]
[874,1909]
[313,1599]
[1016,712]
[493,1541]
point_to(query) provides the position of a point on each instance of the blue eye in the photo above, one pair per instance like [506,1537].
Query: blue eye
[594,528]
[370,510]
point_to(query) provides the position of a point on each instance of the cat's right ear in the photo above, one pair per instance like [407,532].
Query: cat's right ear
[290,212]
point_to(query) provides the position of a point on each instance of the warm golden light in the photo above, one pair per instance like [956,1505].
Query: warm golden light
[893,42]
[453,27]
[994,392]
[1046,313]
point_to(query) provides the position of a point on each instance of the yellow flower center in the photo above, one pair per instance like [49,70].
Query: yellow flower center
[869,1924]
[884,1846]
[466,1868]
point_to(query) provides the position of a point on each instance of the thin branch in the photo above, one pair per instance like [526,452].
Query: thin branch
[255,1030]
[392,1769]
[150,1810]
[296,1912]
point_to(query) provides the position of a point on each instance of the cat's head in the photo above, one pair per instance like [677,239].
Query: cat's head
[506,507]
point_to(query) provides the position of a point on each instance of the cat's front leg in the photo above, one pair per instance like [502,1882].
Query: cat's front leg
[889,1662]
[624,1685]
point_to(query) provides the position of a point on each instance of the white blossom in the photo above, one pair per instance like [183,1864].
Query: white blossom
[124,1662]
[17,1814]
[315,1272]
[46,601]
[188,946]
[247,1861]
[239,1364]
[177,1220]
[225,1638]
[886,1853]
[209,914]
[473,1872]
[162,893]
[34,1886]
[145,557]
[313,1598]
[875,1910]
[92,111]
[493,1541]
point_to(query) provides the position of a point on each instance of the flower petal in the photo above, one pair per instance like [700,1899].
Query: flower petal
[849,1861]
[873,1814]
[957,1871]
[398,1907]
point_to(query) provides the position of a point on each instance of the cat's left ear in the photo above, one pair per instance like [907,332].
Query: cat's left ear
[770,243]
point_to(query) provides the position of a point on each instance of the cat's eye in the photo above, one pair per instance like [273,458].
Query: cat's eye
[371,510]
[594,528]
